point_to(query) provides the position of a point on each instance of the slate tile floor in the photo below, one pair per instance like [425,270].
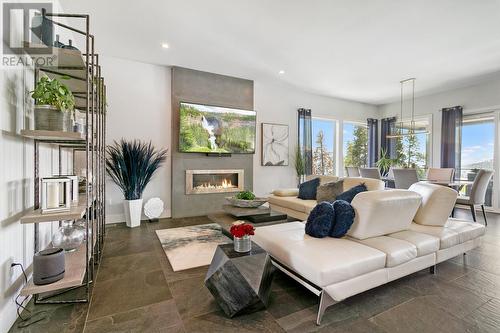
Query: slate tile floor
[137,291]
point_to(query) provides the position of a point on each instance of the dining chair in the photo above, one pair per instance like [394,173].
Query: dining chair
[389,179]
[370,173]
[404,178]
[444,175]
[352,171]
[477,193]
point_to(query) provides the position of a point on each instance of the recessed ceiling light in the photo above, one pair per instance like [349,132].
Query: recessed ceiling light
[165,45]
[281,72]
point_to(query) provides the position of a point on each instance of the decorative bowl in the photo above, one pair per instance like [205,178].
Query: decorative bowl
[246,203]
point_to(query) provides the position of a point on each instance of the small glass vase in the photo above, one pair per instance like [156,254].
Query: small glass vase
[242,244]
[68,237]
[81,224]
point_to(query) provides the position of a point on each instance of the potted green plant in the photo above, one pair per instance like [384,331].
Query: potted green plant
[246,199]
[131,165]
[384,163]
[54,105]
[300,167]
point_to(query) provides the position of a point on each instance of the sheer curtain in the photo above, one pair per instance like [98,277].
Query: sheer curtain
[305,137]
[451,137]
[372,141]
[387,126]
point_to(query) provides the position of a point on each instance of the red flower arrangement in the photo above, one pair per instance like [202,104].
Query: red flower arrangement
[242,229]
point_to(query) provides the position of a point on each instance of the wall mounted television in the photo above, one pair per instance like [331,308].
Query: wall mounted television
[214,129]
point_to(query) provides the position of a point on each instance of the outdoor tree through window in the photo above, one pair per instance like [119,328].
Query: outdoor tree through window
[323,146]
[412,150]
[355,144]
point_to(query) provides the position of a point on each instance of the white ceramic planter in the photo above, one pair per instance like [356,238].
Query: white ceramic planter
[133,211]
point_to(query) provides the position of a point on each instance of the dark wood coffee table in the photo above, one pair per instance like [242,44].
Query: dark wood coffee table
[225,220]
[256,215]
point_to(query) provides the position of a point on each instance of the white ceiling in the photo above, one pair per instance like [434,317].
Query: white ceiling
[351,49]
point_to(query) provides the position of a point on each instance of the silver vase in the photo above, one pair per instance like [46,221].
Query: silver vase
[68,237]
[81,224]
[242,244]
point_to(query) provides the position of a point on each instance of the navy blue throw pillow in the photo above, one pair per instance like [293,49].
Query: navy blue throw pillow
[344,218]
[320,220]
[351,193]
[307,190]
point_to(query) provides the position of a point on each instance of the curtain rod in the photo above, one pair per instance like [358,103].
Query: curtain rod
[485,109]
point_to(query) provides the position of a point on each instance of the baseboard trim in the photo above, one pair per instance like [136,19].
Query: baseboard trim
[120,218]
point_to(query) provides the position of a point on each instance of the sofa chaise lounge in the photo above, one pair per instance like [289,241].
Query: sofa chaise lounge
[395,233]
[287,202]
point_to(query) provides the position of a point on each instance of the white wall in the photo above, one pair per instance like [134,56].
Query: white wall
[138,97]
[16,187]
[276,102]
[483,96]
[16,181]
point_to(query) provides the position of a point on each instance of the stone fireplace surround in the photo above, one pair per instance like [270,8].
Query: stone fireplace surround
[212,89]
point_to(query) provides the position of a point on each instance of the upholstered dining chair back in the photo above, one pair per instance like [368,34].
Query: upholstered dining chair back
[404,178]
[352,171]
[370,173]
[440,174]
[479,186]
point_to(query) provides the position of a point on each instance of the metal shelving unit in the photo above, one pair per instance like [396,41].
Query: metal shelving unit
[84,79]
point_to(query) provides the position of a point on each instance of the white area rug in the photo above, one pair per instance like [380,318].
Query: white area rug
[194,246]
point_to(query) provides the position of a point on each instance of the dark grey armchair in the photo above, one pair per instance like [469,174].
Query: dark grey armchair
[477,193]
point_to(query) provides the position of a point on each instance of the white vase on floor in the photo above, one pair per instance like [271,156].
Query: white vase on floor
[133,211]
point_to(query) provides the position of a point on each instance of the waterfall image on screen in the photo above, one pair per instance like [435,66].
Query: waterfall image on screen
[212,129]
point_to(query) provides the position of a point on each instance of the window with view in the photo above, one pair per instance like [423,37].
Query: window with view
[355,144]
[412,151]
[323,145]
[477,149]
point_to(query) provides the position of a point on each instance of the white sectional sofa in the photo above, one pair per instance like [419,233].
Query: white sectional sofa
[395,233]
[287,202]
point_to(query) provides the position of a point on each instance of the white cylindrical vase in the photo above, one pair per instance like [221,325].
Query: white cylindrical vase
[133,211]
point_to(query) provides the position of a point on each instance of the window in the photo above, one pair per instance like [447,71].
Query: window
[323,145]
[412,151]
[355,144]
[477,149]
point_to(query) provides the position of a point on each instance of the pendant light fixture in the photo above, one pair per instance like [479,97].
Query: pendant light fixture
[400,132]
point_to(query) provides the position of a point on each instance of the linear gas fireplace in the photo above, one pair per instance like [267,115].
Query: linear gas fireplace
[214,181]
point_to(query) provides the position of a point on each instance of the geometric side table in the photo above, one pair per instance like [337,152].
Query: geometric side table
[240,282]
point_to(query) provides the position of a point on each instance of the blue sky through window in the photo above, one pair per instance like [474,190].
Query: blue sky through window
[477,142]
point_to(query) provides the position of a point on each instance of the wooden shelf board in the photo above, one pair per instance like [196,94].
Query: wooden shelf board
[53,135]
[61,58]
[75,268]
[77,211]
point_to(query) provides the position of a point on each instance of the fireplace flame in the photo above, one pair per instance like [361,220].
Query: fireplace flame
[226,183]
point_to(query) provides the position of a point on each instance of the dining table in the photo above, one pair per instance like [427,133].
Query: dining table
[456,184]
